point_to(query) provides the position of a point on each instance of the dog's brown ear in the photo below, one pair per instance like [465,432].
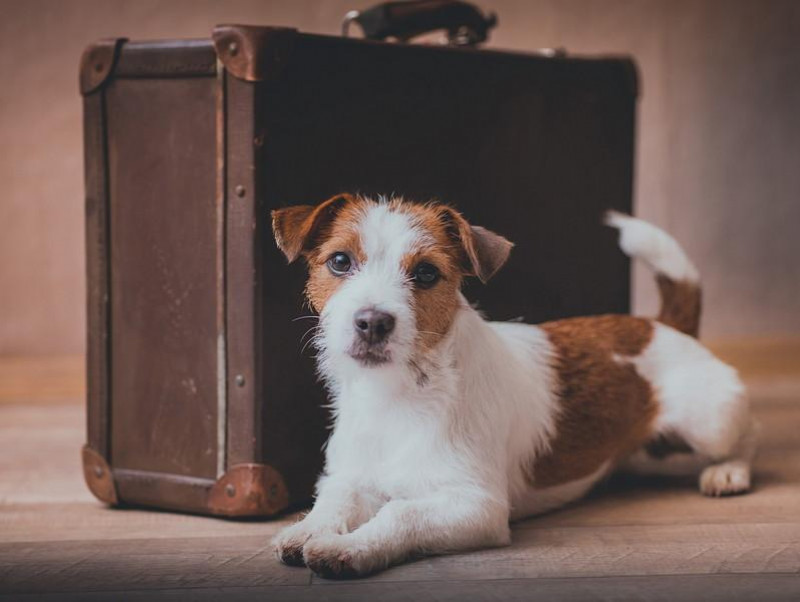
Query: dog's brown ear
[484,250]
[298,228]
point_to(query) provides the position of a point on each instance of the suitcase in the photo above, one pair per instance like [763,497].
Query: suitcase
[200,397]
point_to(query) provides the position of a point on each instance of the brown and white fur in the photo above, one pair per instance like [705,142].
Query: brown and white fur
[448,426]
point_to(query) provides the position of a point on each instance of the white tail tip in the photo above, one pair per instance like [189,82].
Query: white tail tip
[642,240]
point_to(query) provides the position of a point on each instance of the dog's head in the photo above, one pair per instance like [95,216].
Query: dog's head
[385,276]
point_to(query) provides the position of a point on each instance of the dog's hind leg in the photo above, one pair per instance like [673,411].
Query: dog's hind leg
[723,439]
[730,474]
[704,408]
[719,474]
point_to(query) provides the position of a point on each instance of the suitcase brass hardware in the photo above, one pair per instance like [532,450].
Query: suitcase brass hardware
[248,490]
[253,54]
[240,380]
[98,62]
[240,190]
[98,476]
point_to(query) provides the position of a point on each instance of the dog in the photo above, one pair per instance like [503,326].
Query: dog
[447,426]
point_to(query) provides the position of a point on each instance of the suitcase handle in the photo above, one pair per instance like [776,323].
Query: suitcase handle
[465,24]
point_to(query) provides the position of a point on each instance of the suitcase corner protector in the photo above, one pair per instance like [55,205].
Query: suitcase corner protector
[98,62]
[98,476]
[248,490]
[251,53]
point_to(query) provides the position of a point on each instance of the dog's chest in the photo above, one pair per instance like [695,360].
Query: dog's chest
[396,449]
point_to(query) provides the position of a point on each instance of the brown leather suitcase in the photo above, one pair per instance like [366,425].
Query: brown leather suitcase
[199,396]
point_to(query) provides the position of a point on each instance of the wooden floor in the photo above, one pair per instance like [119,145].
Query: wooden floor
[632,540]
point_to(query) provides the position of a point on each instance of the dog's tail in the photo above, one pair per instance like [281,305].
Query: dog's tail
[678,279]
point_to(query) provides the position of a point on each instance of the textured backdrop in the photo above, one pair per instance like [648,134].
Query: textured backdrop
[718,143]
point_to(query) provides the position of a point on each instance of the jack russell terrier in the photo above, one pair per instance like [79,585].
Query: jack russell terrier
[447,426]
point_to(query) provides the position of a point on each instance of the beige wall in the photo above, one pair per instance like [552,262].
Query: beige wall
[718,148]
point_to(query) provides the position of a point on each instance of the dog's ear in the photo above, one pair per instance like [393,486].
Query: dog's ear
[484,251]
[297,229]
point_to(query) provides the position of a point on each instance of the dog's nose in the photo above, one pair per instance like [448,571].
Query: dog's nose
[373,325]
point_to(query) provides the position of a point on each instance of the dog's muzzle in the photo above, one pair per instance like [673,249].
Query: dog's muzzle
[372,327]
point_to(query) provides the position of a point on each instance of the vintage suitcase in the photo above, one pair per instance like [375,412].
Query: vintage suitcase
[199,398]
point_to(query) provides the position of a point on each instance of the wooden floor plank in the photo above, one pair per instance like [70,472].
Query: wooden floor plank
[142,564]
[40,454]
[759,358]
[92,521]
[248,561]
[616,551]
[634,538]
[41,484]
[708,588]
[42,379]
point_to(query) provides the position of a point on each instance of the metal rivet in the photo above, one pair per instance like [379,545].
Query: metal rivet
[98,471]
[273,491]
[239,190]
[233,48]
[259,140]
[230,490]
[240,380]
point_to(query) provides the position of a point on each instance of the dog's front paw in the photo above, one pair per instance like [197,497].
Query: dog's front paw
[338,557]
[289,544]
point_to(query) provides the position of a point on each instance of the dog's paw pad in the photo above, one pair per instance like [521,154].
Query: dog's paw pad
[288,545]
[728,478]
[330,562]
[291,555]
[333,567]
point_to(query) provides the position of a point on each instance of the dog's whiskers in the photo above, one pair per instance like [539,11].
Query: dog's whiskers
[312,329]
[316,331]
[309,342]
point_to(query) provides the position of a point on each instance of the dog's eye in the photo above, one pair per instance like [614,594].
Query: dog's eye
[339,264]
[425,275]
